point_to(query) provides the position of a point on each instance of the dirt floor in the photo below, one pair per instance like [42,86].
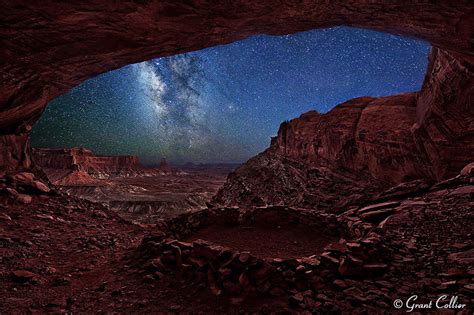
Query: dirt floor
[267,241]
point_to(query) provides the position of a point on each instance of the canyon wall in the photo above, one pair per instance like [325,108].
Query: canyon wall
[362,134]
[49,47]
[444,128]
[427,135]
[80,159]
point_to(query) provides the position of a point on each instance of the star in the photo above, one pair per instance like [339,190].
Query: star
[222,104]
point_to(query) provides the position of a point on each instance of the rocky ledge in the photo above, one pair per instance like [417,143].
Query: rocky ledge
[61,254]
[385,251]
[83,160]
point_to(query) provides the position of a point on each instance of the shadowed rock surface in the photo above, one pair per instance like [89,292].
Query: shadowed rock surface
[374,172]
[63,254]
[49,48]
[83,160]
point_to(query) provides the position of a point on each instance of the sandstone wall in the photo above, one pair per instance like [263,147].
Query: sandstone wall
[429,134]
[49,47]
[83,160]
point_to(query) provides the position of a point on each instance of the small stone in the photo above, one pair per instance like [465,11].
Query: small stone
[23,177]
[300,269]
[236,301]
[51,270]
[244,257]
[41,187]
[375,267]
[376,216]
[263,272]
[231,287]
[45,217]
[23,198]
[148,279]
[446,285]
[460,246]
[12,192]
[174,307]
[23,276]
[468,169]
[5,217]
[340,283]
[384,284]
[453,272]
[277,291]
[378,206]
[288,274]
[296,299]
[244,279]
[355,293]
[330,258]
[337,247]
[225,272]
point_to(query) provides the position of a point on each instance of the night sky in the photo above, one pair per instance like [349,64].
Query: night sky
[222,104]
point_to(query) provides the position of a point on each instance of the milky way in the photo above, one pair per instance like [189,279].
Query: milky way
[222,104]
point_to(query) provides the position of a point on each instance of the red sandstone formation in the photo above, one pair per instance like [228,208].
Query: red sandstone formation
[61,45]
[273,179]
[309,160]
[61,254]
[363,134]
[425,135]
[165,167]
[80,159]
[385,251]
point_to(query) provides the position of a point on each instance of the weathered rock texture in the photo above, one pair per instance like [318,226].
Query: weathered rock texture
[84,160]
[273,179]
[363,134]
[14,152]
[425,135]
[386,250]
[444,127]
[165,166]
[49,47]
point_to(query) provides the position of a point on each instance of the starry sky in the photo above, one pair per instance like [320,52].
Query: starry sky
[222,104]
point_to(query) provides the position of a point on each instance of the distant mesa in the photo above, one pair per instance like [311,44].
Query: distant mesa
[79,166]
[165,166]
[82,159]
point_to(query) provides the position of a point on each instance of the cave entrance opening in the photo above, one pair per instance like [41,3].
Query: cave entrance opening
[113,138]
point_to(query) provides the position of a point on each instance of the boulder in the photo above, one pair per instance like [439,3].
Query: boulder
[23,276]
[468,169]
[23,198]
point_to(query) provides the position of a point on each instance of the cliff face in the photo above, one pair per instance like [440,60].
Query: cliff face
[80,159]
[165,166]
[63,44]
[363,134]
[428,135]
[444,128]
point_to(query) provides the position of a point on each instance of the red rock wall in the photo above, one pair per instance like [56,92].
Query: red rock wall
[14,152]
[83,160]
[429,134]
[48,47]
[362,134]
[444,127]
